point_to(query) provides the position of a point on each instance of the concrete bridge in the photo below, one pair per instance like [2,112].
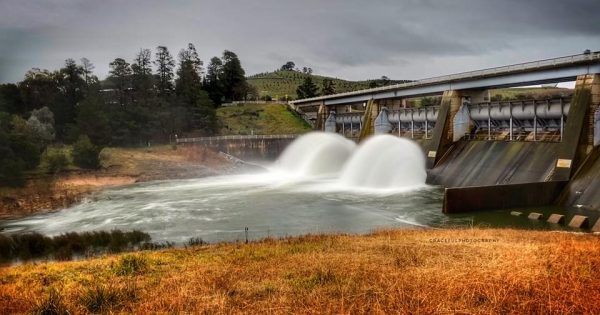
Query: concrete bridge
[524,148]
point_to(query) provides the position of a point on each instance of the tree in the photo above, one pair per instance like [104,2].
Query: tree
[212,81]
[10,99]
[120,76]
[288,66]
[85,153]
[165,64]
[328,87]
[93,120]
[88,68]
[188,83]
[73,87]
[234,77]
[41,123]
[307,89]
[141,80]
[188,88]
[383,81]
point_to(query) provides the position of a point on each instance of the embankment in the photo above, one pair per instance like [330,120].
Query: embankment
[120,166]
[471,271]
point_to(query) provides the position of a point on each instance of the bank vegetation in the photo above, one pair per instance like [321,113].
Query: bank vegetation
[466,271]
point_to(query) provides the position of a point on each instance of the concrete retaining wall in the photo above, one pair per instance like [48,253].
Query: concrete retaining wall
[247,148]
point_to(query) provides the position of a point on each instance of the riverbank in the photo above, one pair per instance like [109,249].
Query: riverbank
[120,166]
[475,271]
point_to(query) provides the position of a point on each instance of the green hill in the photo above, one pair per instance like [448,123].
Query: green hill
[260,119]
[280,83]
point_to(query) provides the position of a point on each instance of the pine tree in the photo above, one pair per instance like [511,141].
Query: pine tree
[142,81]
[307,89]
[120,76]
[212,81]
[328,87]
[234,77]
[188,88]
[165,64]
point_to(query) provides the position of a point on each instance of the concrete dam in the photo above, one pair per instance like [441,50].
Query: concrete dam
[490,154]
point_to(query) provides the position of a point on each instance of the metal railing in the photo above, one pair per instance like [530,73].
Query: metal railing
[236,137]
[533,65]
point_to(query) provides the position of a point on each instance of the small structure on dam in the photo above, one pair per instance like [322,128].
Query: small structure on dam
[489,154]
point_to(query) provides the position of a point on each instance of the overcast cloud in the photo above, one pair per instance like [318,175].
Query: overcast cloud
[403,39]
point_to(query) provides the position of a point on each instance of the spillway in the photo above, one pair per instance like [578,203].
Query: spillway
[316,153]
[387,162]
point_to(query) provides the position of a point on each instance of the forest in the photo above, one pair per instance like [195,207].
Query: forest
[150,99]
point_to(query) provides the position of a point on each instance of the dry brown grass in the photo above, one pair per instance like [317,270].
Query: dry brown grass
[400,271]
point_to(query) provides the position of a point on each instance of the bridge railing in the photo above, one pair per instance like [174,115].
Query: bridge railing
[546,63]
[235,137]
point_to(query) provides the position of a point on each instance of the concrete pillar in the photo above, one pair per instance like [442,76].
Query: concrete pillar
[371,112]
[443,132]
[454,99]
[592,134]
[578,137]
[321,116]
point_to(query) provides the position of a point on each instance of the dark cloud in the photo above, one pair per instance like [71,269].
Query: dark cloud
[344,38]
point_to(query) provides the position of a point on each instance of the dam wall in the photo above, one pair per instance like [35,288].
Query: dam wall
[483,163]
[245,147]
[584,189]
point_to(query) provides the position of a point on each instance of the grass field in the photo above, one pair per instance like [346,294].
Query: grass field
[460,271]
[260,119]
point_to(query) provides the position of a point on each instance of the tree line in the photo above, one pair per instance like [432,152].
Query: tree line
[150,98]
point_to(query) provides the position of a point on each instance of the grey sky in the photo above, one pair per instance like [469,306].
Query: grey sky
[403,39]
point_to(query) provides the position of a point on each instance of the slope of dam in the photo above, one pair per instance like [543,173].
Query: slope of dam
[493,163]
[584,188]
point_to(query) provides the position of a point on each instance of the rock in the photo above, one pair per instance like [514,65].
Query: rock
[516,213]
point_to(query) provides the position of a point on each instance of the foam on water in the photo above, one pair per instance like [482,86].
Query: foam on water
[315,153]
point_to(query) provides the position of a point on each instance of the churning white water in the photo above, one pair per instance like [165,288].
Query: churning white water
[381,162]
[385,161]
[316,153]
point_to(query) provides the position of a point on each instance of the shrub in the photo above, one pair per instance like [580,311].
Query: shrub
[52,305]
[100,299]
[55,161]
[130,265]
[85,153]
[105,298]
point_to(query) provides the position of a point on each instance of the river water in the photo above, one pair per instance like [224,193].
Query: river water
[322,183]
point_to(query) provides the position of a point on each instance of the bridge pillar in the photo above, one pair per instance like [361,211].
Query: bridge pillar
[443,132]
[578,136]
[322,115]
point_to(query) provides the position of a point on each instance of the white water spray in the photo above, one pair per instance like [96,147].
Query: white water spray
[316,153]
[385,162]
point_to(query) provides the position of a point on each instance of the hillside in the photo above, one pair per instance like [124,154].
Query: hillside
[441,271]
[260,119]
[278,84]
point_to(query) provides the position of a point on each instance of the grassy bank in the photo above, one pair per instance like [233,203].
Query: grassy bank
[260,119]
[120,166]
[403,271]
